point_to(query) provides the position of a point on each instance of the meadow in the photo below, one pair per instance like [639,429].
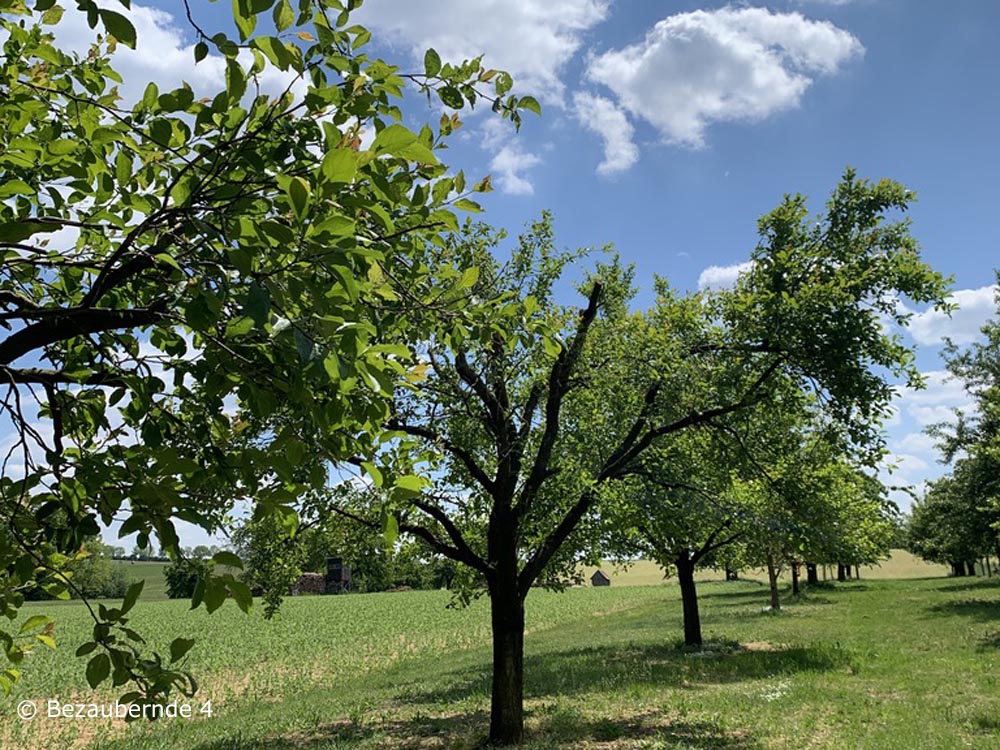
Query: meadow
[875,664]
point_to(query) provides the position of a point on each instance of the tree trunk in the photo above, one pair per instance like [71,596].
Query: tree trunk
[989,571]
[732,574]
[958,570]
[970,568]
[811,576]
[689,602]
[847,571]
[507,709]
[857,572]
[841,575]
[772,578]
[795,578]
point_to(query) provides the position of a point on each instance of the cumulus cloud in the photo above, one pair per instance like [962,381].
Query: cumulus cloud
[730,64]
[720,277]
[937,401]
[531,39]
[975,307]
[164,55]
[509,164]
[601,116]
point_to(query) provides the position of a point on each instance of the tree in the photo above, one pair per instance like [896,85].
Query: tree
[528,414]
[224,245]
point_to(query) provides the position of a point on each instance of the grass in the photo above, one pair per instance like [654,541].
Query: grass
[153,573]
[870,665]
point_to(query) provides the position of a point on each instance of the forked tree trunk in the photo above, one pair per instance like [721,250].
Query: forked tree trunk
[507,701]
[811,576]
[689,602]
[772,578]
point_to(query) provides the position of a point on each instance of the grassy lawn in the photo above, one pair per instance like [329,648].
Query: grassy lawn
[872,665]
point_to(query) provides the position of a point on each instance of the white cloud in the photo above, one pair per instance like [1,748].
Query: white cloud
[937,401]
[531,39]
[508,164]
[720,277]
[164,55]
[975,307]
[730,64]
[601,116]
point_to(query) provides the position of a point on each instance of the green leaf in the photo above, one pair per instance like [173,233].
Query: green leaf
[241,595]
[373,472]
[15,187]
[432,63]
[469,278]
[339,165]
[531,104]
[284,16]
[464,204]
[393,138]
[236,81]
[245,18]
[200,51]
[299,194]
[331,363]
[239,327]
[132,595]
[229,559]
[98,669]
[390,528]
[35,621]
[119,27]
[179,648]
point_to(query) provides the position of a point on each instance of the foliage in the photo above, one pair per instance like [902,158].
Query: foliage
[161,257]
[183,576]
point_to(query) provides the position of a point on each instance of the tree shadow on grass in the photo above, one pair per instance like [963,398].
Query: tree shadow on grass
[617,668]
[973,585]
[990,641]
[980,610]
[545,727]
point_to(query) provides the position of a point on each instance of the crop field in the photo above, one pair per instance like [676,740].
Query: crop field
[872,664]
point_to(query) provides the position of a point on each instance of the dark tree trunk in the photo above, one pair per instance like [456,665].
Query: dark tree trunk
[841,575]
[772,578]
[811,575]
[857,572]
[689,601]
[507,709]
[795,578]
[847,571]
[958,570]
[732,574]
[989,571]
[970,568]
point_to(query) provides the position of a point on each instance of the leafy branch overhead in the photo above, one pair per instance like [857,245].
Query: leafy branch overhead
[166,259]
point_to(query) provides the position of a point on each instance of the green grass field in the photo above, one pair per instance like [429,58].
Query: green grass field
[152,572]
[874,664]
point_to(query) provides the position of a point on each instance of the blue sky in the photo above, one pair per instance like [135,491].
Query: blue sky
[670,127]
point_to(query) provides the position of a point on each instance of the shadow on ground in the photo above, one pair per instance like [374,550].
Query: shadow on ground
[617,668]
[545,727]
[980,610]
[973,585]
